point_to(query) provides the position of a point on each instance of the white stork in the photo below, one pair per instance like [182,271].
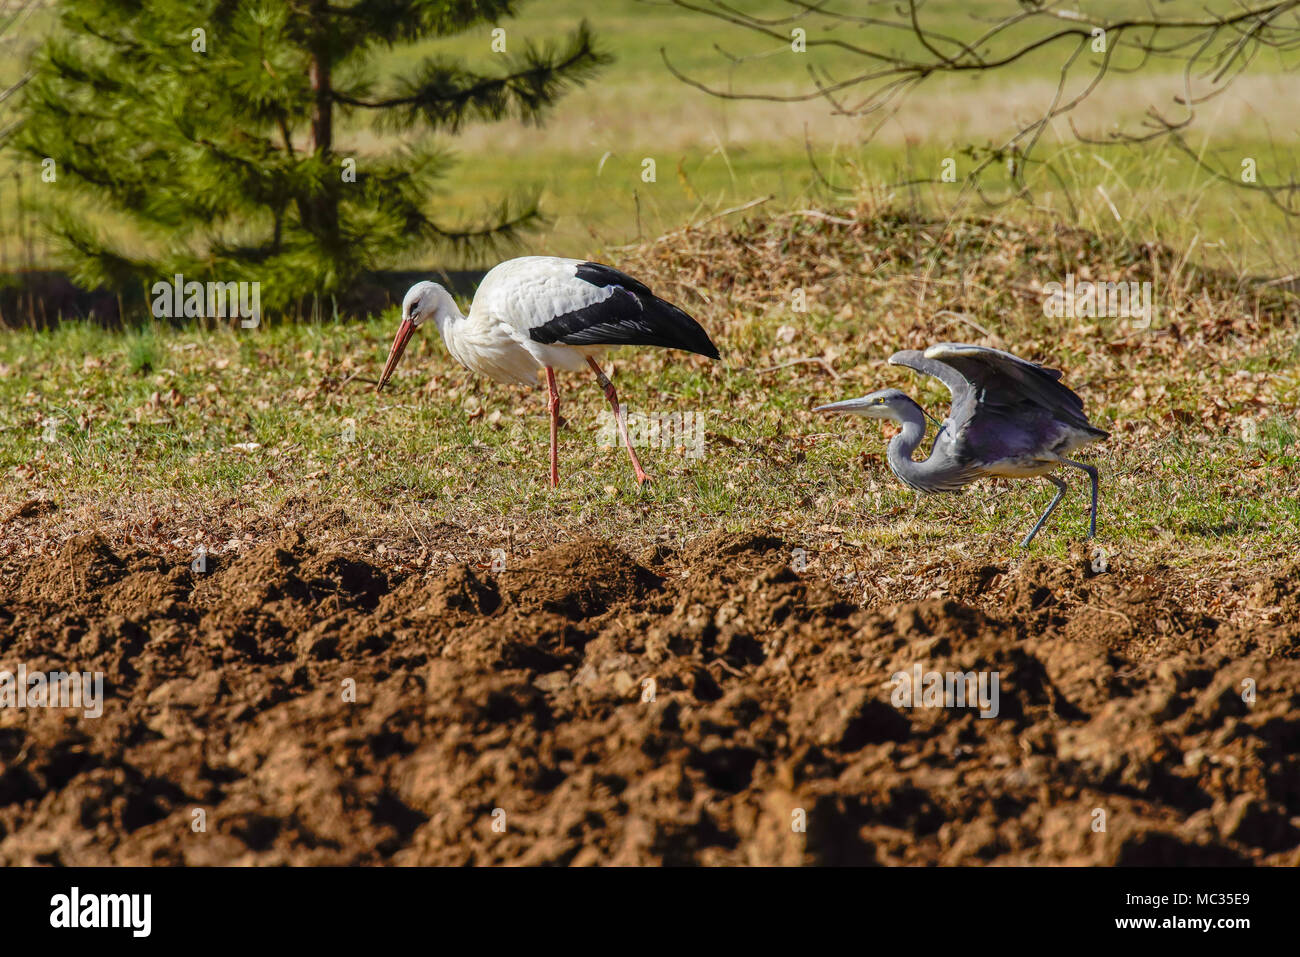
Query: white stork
[540,313]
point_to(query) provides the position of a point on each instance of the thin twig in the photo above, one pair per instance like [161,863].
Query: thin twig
[816,214]
[966,319]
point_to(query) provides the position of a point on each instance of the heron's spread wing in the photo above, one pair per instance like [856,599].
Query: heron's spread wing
[963,396]
[1004,383]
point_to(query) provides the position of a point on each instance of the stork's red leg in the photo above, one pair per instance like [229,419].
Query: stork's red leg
[553,406]
[612,395]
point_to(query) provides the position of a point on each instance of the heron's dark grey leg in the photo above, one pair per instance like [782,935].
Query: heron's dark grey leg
[1060,493]
[1092,474]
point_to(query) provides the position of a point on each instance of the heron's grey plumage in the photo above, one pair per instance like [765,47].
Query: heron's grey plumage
[1009,417]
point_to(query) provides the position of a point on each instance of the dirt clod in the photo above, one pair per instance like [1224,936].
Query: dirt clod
[703,704]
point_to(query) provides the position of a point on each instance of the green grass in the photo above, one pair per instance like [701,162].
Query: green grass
[147,426]
[172,433]
[225,431]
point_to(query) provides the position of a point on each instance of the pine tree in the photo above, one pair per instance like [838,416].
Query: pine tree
[208,127]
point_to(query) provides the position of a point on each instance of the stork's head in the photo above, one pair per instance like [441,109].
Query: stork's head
[424,301]
[885,404]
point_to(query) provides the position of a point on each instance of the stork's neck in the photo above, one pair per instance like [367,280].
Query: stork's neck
[447,317]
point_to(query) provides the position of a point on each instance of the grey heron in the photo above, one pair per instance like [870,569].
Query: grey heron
[1009,417]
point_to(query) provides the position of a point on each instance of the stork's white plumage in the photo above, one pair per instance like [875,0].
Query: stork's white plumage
[542,313]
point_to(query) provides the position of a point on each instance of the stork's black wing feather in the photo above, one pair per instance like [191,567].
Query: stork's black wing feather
[631,315]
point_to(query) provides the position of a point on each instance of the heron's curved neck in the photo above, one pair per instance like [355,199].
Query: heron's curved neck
[901,446]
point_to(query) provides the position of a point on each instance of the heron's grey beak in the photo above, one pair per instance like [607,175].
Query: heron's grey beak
[859,406]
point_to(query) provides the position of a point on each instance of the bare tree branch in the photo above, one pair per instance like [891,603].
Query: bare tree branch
[903,49]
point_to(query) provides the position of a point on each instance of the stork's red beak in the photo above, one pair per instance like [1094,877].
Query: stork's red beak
[404,333]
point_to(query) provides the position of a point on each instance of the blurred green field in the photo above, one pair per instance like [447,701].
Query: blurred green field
[712,154]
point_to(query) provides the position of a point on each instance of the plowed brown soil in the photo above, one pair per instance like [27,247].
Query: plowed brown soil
[707,704]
